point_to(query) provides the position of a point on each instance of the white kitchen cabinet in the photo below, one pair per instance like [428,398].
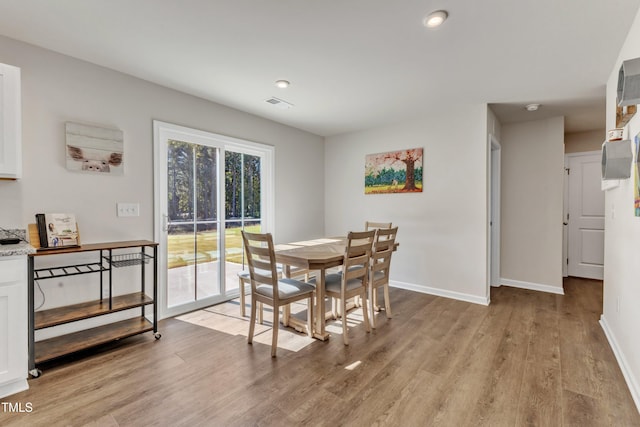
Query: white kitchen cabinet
[10,123]
[13,325]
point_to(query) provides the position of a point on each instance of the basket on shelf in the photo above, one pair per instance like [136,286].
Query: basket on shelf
[124,260]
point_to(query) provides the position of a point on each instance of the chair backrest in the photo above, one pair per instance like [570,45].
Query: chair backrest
[357,255]
[261,259]
[382,251]
[370,225]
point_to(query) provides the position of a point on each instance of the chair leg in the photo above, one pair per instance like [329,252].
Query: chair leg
[343,307]
[334,308]
[372,306]
[365,311]
[387,301]
[310,318]
[260,317]
[242,296]
[275,327]
[252,322]
[286,313]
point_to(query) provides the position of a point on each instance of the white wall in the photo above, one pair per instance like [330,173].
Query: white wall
[532,195]
[443,230]
[621,313]
[57,88]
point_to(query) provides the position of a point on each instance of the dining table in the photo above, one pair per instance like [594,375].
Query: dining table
[313,255]
[317,255]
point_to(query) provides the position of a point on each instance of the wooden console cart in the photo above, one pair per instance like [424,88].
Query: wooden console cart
[106,260]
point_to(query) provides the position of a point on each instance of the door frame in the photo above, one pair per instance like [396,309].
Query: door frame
[566,197]
[163,131]
[495,158]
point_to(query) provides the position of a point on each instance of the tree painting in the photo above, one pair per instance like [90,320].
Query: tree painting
[393,172]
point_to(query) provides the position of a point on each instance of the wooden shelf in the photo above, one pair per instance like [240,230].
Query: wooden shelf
[93,247]
[59,346]
[71,313]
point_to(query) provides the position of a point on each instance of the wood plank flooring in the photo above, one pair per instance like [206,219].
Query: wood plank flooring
[529,359]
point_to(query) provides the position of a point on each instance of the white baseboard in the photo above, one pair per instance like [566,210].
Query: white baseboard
[632,382]
[532,286]
[13,388]
[440,292]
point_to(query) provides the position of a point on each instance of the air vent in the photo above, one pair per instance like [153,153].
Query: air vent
[284,105]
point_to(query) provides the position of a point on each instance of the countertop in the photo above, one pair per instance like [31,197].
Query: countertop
[22,248]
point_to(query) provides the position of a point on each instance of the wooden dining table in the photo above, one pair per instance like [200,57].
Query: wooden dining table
[314,255]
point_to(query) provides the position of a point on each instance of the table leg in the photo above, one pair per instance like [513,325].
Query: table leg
[320,332]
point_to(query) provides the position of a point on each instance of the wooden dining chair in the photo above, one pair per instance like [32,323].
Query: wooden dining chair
[268,288]
[379,270]
[352,280]
[370,225]
[244,280]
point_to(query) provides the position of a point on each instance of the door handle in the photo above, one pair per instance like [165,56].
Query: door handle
[165,222]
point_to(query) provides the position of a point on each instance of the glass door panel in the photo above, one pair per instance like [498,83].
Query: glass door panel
[192,223]
[242,208]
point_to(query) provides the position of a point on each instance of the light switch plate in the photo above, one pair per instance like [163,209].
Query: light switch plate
[128,209]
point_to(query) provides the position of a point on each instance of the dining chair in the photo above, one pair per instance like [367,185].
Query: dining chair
[379,270]
[268,288]
[244,280]
[352,280]
[370,225]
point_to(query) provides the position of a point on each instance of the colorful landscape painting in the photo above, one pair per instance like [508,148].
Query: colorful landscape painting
[393,172]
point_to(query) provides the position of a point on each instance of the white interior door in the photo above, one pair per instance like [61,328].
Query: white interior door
[586,216]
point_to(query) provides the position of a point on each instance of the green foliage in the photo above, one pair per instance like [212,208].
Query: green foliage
[386,176]
[190,164]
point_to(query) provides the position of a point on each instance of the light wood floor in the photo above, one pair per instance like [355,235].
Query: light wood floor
[530,358]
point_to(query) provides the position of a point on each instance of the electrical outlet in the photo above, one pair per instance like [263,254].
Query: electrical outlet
[128,209]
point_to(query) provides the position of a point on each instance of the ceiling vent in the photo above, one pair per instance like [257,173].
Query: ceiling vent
[277,102]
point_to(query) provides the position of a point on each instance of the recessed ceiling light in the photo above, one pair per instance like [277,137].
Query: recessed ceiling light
[435,19]
[532,107]
[282,84]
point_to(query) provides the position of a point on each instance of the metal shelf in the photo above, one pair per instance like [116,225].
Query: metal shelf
[125,260]
[68,270]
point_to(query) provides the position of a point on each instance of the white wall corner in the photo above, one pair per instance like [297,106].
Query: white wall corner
[440,292]
[632,382]
[532,286]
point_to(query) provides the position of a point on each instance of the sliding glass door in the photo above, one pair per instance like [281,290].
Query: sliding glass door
[208,188]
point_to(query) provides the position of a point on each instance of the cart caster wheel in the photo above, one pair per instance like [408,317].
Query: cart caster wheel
[35,373]
[157,335]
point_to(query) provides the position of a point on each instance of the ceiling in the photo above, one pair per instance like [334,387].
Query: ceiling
[352,64]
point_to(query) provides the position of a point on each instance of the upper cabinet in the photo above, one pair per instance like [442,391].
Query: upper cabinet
[10,123]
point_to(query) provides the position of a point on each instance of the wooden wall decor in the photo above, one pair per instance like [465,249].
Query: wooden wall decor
[624,114]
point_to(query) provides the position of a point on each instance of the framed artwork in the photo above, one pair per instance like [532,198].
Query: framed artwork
[94,149]
[393,172]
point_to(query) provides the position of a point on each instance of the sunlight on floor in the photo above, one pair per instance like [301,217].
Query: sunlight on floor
[226,318]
